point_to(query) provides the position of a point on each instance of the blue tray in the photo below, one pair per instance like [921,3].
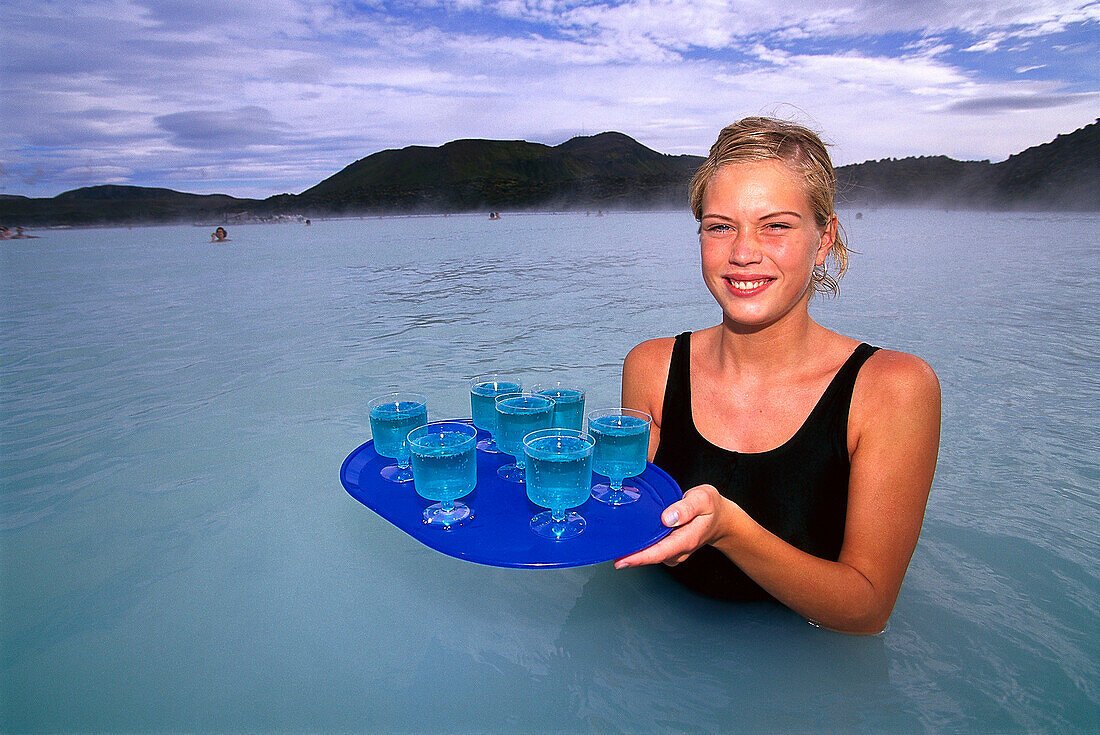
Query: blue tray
[498,535]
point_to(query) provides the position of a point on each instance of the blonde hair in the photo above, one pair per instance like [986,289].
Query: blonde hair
[768,139]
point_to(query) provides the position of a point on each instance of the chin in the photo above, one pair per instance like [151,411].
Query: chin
[745,323]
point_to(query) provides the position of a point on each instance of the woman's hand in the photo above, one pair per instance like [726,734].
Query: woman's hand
[701,517]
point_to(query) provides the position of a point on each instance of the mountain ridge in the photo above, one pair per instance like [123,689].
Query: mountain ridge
[471,174]
[608,170]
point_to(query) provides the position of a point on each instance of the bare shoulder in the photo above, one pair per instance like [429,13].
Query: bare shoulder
[897,376]
[895,393]
[645,373]
[650,353]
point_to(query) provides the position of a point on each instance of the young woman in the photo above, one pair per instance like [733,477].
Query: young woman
[806,456]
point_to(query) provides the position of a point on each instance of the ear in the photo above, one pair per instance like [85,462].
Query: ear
[828,237]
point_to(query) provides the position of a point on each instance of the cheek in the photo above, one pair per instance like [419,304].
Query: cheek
[711,258]
[805,254]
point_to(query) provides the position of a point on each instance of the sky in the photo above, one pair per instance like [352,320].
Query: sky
[256,98]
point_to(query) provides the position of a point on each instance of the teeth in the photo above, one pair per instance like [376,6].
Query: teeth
[747,285]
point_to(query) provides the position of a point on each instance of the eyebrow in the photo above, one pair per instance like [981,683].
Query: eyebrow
[763,217]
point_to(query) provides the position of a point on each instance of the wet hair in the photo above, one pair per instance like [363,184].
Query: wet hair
[768,139]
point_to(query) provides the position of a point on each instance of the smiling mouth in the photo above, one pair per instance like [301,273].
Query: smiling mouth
[741,285]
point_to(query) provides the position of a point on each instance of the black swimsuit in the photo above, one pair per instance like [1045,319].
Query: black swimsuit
[798,491]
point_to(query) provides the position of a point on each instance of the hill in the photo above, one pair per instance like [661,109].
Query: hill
[1063,174]
[111,204]
[925,180]
[607,171]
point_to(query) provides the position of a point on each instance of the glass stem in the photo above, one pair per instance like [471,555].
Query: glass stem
[616,484]
[404,462]
[447,505]
[558,515]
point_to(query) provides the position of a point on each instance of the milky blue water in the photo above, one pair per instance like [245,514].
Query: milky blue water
[178,553]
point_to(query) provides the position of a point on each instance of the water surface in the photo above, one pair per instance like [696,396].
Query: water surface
[178,554]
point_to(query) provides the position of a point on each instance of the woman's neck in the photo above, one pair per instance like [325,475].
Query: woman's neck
[770,350]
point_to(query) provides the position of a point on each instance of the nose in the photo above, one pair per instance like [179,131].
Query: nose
[744,249]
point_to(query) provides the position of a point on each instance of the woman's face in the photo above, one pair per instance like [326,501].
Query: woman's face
[760,242]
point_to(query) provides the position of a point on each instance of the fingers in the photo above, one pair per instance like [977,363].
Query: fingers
[666,548]
[697,501]
[671,550]
[690,517]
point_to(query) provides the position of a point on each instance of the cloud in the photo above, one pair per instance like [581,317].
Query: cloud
[721,24]
[214,129]
[1016,102]
[273,97]
[100,174]
[225,15]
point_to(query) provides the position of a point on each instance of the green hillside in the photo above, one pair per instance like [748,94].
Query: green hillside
[608,170]
[605,171]
[1062,175]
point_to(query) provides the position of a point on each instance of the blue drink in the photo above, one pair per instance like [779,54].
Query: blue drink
[483,392]
[568,404]
[518,414]
[559,477]
[391,423]
[444,466]
[622,445]
[392,417]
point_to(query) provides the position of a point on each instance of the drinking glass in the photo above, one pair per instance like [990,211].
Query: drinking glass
[518,414]
[568,403]
[444,464]
[622,445]
[483,392]
[559,477]
[392,417]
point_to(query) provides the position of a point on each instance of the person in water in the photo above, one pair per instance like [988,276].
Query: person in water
[219,235]
[806,456]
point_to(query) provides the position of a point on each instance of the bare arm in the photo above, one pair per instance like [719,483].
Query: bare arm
[645,372]
[893,442]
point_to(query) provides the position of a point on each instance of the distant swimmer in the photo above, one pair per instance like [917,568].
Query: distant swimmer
[219,235]
[7,234]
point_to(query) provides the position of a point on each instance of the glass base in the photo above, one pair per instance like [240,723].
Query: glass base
[544,525]
[393,473]
[512,473]
[489,446]
[435,515]
[606,494]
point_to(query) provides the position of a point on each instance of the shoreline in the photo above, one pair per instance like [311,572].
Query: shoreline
[845,210]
